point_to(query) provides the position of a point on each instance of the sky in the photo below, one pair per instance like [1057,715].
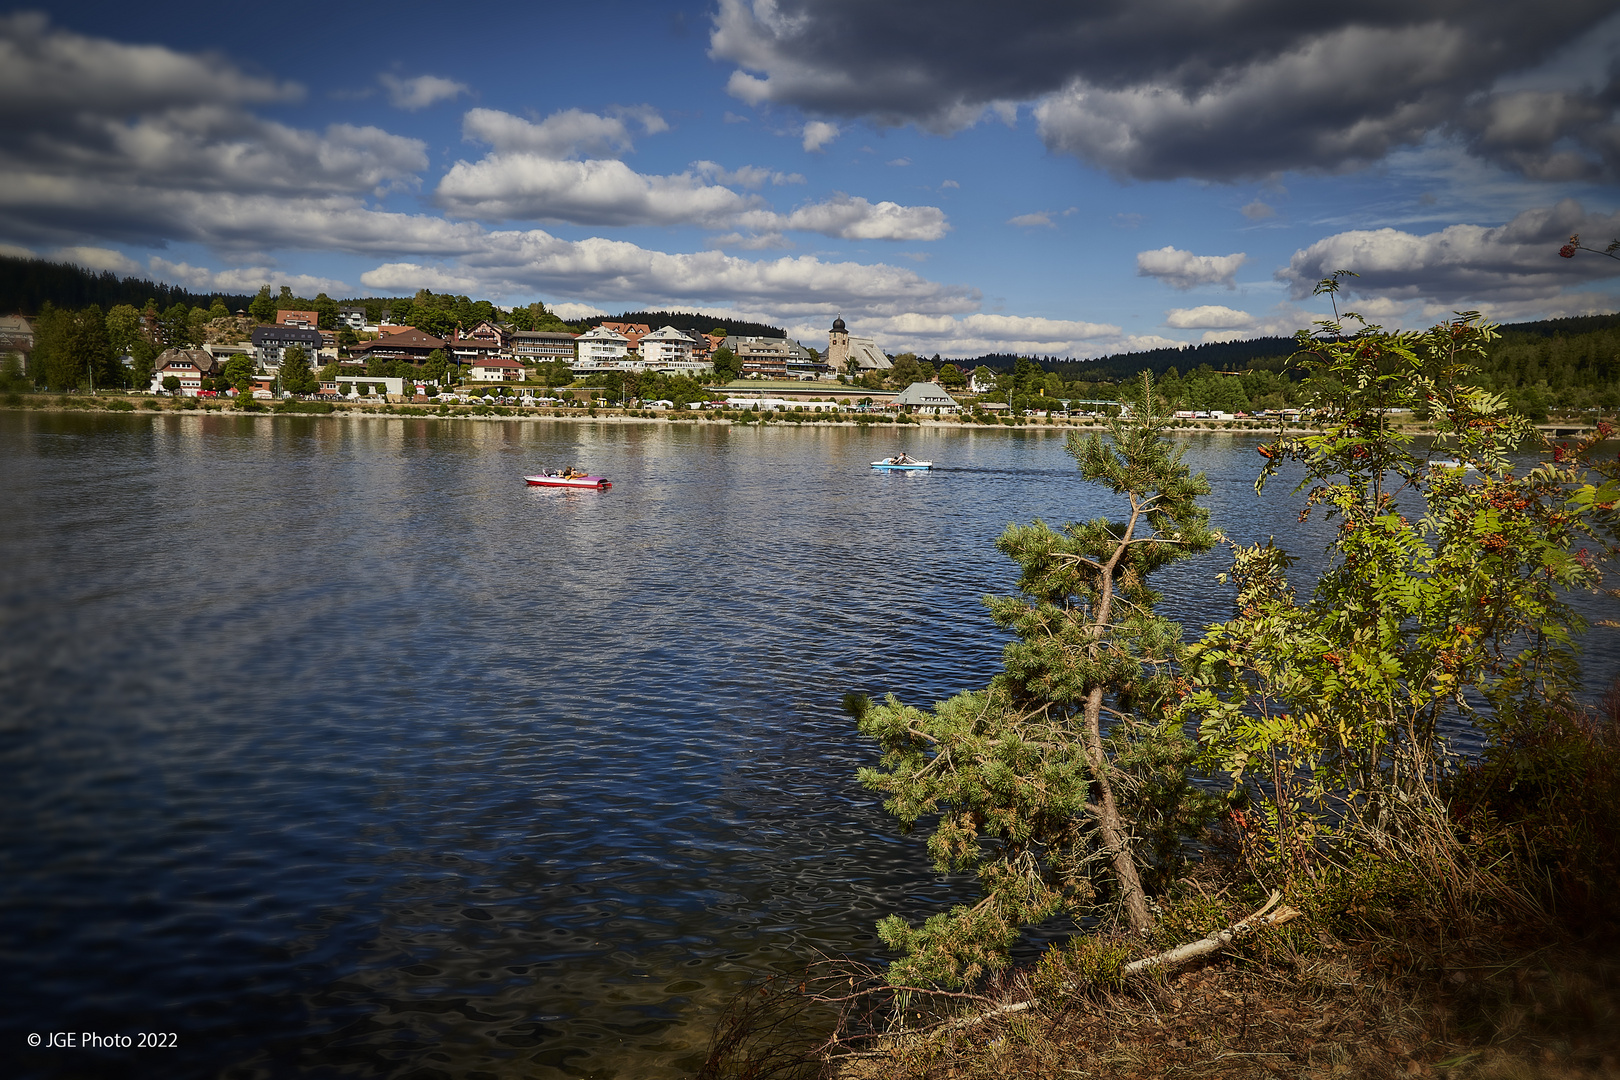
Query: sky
[951,177]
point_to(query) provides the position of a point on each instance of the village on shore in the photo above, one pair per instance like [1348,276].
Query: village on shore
[354,360]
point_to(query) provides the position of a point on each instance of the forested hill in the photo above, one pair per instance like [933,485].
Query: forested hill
[1265,352]
[1558,351]
[693,323]
[26,285]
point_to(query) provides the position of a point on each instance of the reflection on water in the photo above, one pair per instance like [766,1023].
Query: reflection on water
[332,747]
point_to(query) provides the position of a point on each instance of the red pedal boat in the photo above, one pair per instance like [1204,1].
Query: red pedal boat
[568,480]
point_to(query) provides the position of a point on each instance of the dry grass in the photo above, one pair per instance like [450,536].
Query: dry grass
[1517,1001]
[1379,1008]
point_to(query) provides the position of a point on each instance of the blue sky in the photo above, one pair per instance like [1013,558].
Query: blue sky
[951,177]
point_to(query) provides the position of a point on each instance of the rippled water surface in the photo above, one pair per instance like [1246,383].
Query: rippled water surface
[334,749]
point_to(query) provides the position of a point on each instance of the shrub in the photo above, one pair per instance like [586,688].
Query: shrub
[1327,709]
[314,407]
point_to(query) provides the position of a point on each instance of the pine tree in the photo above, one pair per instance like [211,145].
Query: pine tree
[1049,781]
[296,375]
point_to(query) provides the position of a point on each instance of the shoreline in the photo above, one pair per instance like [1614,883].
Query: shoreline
[143,406]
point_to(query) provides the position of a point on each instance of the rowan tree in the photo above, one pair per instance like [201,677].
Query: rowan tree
[1443,605]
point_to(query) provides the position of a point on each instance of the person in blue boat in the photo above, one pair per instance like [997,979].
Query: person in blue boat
[902,459]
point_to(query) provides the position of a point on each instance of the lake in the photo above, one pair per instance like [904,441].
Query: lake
[335,750]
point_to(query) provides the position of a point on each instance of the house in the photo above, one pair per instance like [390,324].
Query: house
[400,343]
[309,320]
[352,317]
[484,341]
[844,350]
[633,333]
[190,366]
[496,369]
[270,343]
[927,397]
[16,338]
[542,346]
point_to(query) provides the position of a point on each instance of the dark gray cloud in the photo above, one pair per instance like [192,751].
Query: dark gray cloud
[1169,88]
[1464,264]
[142,143]
[1548,134]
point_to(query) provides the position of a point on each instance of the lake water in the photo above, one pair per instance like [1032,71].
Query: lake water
[333,749]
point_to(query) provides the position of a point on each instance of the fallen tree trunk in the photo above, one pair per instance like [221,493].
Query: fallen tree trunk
[1179,955]
[1204,946]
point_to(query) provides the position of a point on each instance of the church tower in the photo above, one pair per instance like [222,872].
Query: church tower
[838,345]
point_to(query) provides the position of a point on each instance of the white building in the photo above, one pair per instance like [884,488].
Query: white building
[496,369]
[927,397]
[391,384]
[601,347]
[666,346]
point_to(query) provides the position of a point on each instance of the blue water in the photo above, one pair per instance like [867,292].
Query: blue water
[333,749]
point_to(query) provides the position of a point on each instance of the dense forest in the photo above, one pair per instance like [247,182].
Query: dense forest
[26,285]
[694,323]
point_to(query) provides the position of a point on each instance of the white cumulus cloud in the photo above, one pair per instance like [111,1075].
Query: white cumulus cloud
[421,91]
[245,279]
[1208,317]
[98,258]
[1038,219]
[857,219]
[818,133]
[1184,270]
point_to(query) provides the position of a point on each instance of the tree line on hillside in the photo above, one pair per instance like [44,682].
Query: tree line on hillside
[690,322]
[27,285]
[1558,365]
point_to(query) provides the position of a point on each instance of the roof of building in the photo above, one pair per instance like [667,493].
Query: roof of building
[263,335]
[200,359]
[928,395]
[864,351]
[669,333]
[408,338]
